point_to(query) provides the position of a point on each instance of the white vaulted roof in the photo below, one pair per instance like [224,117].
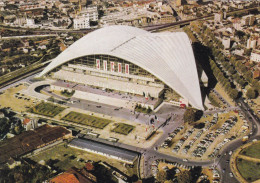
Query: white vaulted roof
[168,56]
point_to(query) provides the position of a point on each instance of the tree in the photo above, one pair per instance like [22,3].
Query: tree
[241,82]
[184,177]
[239,33]
[189,115]
[251,93]
[232,59]
[248,76]
[4,126]
[248,52]
[161,176]
[233,93]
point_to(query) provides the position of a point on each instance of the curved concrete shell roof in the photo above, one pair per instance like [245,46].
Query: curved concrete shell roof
[168,56]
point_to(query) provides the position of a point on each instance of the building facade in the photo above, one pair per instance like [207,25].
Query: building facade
[255,56]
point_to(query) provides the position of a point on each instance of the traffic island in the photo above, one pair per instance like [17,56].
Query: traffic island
[245,162]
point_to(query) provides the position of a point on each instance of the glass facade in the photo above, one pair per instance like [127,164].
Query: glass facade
[111,63]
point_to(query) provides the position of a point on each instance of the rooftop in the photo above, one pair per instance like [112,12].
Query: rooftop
[30,140]
[104,149]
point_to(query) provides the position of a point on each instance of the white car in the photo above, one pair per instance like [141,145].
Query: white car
[231,174]
[184,160]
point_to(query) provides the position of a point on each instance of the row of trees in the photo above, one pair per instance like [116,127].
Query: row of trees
[170,175]
[140,108]
[192,115]
[236,69]
[216,46]
[233,93]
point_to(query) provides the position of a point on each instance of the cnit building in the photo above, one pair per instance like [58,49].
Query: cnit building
[125,66]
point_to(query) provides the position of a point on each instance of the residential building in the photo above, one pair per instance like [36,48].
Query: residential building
[226,42]
[218,17]
[30,22]
[91,12]
[248,20]
[255,56]
[75,175]
[30,124]
[251,43]
[81,22]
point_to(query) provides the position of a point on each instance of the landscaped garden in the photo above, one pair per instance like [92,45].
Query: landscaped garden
[47,109]
[248,162]
[123,128]
[88,120]
[67,93]
[139,108]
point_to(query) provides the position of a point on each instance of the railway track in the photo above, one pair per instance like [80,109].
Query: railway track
[20,77]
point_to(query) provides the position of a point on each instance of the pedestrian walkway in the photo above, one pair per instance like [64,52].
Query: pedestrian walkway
[248,158]
[30,91]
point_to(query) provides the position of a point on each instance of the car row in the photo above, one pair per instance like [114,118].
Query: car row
[167,142]
[182,141]
[203,145]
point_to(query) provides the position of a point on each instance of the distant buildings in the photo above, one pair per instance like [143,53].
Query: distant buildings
[178,2]
[86,15]
[248,20]
[218,17]
[81,22]
[91,11]
[255,56]
[237,24]
[226,42]
[251,43]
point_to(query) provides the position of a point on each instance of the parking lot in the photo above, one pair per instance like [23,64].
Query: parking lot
[205,138]
[16,100]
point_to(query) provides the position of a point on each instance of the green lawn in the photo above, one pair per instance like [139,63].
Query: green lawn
[63,157]
[123,128]
[252,151]
[47,109]
[248,169]
[88,120]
